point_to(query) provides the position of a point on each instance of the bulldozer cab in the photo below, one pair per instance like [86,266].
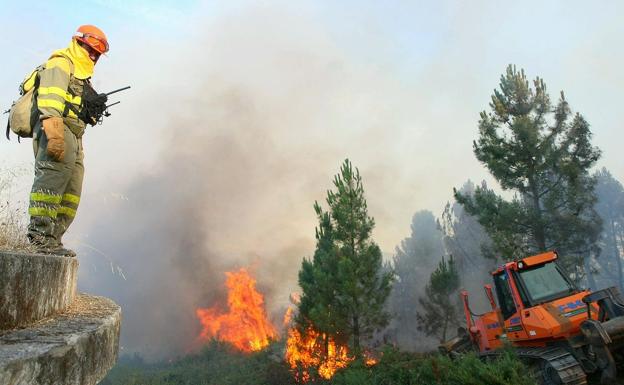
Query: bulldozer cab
[536,300]
[543,283]
[534,285]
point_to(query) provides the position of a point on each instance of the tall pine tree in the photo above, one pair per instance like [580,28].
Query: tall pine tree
[543,154]
[344,287]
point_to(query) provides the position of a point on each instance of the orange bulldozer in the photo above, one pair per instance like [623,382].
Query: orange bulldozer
[564,334]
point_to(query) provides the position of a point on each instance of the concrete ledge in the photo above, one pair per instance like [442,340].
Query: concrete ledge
[77,347]
[34,286]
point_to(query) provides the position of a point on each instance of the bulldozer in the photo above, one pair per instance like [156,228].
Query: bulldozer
[564,334]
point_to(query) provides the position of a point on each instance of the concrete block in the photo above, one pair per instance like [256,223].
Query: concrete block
[77,347]
[34,286]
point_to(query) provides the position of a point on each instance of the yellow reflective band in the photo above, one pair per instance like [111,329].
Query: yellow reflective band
[45,198]
[29,82]
[50,103]
[43,91]
[67,211]
[54,91]
[42,212]
[71,198]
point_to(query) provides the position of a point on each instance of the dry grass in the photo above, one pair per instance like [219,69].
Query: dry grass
[13,216]
[12,229]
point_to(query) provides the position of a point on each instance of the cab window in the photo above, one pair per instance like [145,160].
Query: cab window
[503,292]
[544,283]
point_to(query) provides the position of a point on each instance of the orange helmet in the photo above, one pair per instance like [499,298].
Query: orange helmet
[93,37]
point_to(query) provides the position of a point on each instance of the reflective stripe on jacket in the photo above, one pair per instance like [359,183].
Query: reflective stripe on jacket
[61,85]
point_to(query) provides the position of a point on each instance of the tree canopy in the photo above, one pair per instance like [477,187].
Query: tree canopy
[344,287]
[542,153]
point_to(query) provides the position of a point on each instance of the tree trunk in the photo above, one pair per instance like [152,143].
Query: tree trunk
[446,319]
[616,255]
[591,283]
[326,345]
[356,336]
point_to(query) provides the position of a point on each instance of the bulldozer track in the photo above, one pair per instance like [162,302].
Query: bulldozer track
[555,365]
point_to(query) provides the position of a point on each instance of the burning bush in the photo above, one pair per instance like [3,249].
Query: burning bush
[314,351]
[245,325]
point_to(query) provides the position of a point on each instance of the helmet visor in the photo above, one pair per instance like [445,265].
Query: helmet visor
[94,42]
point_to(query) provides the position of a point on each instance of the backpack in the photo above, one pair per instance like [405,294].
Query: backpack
[24,113]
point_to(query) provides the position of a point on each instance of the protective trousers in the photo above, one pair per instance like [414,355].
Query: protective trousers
[55,193]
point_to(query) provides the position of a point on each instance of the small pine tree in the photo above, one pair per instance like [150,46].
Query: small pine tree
[318,279]
[439,309]
[345,286]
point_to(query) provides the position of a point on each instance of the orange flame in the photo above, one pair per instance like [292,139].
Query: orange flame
[288,317]
[245,325]
[369,360]
[307,352]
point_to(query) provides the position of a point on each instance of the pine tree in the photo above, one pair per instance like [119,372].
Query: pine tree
[344,287]
[440,308]
[319,282]
[543,154]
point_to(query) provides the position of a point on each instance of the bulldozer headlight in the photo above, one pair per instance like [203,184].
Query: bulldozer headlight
[520,265]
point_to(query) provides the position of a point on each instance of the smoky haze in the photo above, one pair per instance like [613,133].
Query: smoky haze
[237,124]
[254,137]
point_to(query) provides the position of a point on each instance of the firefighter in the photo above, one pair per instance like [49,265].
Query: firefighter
[57,139]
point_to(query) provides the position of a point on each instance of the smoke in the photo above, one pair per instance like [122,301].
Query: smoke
[239,118]
[238,152]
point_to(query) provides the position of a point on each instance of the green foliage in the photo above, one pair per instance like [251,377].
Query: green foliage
[318,281]
[217,364]
[464,237]
[542,153]
[438,303]
[404,368]
[344,287]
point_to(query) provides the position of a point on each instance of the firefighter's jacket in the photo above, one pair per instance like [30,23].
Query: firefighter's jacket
[62,83]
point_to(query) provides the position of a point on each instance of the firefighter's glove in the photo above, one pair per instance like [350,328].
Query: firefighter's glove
[55,132]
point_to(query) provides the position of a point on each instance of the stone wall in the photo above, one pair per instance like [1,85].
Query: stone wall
[48,334]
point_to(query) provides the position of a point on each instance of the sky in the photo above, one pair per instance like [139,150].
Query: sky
[241,112]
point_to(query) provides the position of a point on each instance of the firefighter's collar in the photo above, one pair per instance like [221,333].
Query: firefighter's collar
[83,66]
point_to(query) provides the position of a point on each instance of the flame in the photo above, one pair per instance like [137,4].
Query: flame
[288,317]
[306,352]
[245,325]
[370,360]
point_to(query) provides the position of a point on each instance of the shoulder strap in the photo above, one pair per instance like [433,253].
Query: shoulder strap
[8,129]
